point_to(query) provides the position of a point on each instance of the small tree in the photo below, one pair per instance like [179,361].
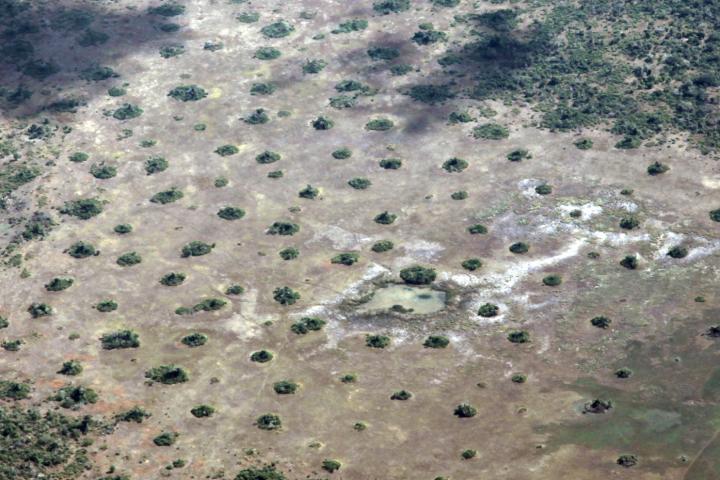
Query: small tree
[285,387]
[173,279]
[382,246]
[58,284]
[261,356]
[269,421]
[455,165]
[348,258]
[552,280]
[71,368]
[601,322]
[309,192]
[129,259]
[166,439]
[488,310]
[167,374]
[81,250]
[471,264]
[477,229]
[401,395]
[330,465]
[283,228]
[519,247]
[518,336]
[465,410]
[436,341]
[120,339]
[195,340]
[231,213]
[196,249]
[285,296]
[201,411]
[377,341]
[418,275]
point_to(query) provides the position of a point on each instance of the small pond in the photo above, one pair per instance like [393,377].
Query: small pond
[421,300]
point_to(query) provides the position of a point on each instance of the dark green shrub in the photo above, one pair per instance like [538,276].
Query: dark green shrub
[40,69]
[630,262]
[283,228]
[330,465]
[261,356]
[400,70]
[359,183]
[167,374]
[715,215]
[269,421]
[584,144]
[552,280]
[120,339]
[81,250]
[455,165]
[231,213]
[307,324]
[418,275]
[234,290]
[468,454]
[518,378]
[155,165]
[377,341]
[79,157]
[167,10]
[543,189]
[166,439]
[277,30]
[342,153]
[601,322]
[38,310]
[285,296]
[477,229]
[322,123]
[446,3]
[285,387]
[12,345]
[385,218]
[314,66]
[459,117]
[348,378]
[267,53]
[289,253]
[678,251]
[428,37]
[354,25]
[196,248]
[84,208]
[382,246]
[75,396]
[345,258]
[226,150]
[657,168]
[465,410]
[262,89]
[379,124]
[391,6]
[92,38]
[627,461]
[188,93]
[127,111]
[221,182]
[343,101]
[201,411]
[58,284]
[391,163]
[519,336]
[169,51]
[518,155]
[106,306]
[167,196]
[491,131]
[598,405]
[135,414]
[173,279]
[472,264]
[623,373]
[383,53]
[102,171]
[436,341]
[459,195]
[169,27]
[519,247]
[430,94]
[209,305]
[4,322]
[258,117]
[71,367]
[309,192]
[401,395]
[129,259]
[267,472]
[351,86]
[123,228]
[248,17]
[488,310]
[629,223]
[268,157]
[194,340]
[14,391]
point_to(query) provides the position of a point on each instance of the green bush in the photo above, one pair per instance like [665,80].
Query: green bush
[627,461]
[289,253]
[552,280]
[382,246]
[269,421]
[167,10]
[196,248]
[418,275]
[262,89]
[629,223]
[715,215]
[309,192]
[106,306]
[84,208]
[155,165]
[221,182]
[518,378]
[543,189]
[459,117]
[58,284]
[391,163]
[167,196]
[267,53]
[455,165]
[623,373]
[678,251]
[209,305]
[385,218]
[72,396]
[471,264]
[248,17]
[491,131]
[102,171]
[268,157]
[601,322]
[38,310]
[446,3]
[79,157]
[127,111]
[194,340]
[379,125]
[188,93]
[71,368]
[359,183]
[468,454]
[354,25]
[81,250]
[123,228]
[285,387]
[343,101]
[285,296]
[377,341]
[383,53]
[314,66]
[261,356]
[330,465]
[135,414]
[519,247]
[173,279]
[167,374]
[283,228]
[401,395]
[518,155]
[129,259]
[348,378]
[477,229]
[201,411]
[166,439]
[231,213]
[227,150]
[13,391]
[598,405]
[519,336]
[350,86]
[436,341]
[120,339]
[391,6]
[277,30]
[169,51]
[465,410]
[430,94]
[267,472]
[488,310]
[12,345]
[630,262]
[4,322]
[429,37]
[306,325]
[322,123]
[348,258]
[342,153]
[258,117]
[234,290]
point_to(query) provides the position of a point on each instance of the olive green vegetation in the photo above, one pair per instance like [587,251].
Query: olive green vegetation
[173,279]
[306,325]
[231,213]
[74,396]
[196,248]
[348,258]
[129,259]
[436,341]
[283,228]
[391,163]
[377,341]
[382,246]
[385,218]
[58,284]
[285,387]
[471,264]
[167,196]
[201,411]
[285,296]
[268,421]
[81,250]
[194,340]
[289,253]
[106,306]
[187,93]
[120,339]
[156,164]
[418,275]
[167,374]
[83,209]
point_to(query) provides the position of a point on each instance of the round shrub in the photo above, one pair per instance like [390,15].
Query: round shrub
[261,356]
[377,341]
[79,157]
[173,279]
[436,341]
[312,67]
[129,259]
[584,144]
[345,258]
[471,264]
[322,123]
[234,290]
[73,396]
[382,246]
[386,7]
[285,296]
[715,215]
[71,368]
[385,218]
[390,163]
[552,280]
[120,339]
[459,195]
[623,373]
[359,183]
[83,209]
[488,310]
[262,89]
[267,53]
[196,249]
[519,247]
[677,251]
[627,461]
[102,171]
[268,472]
[600,322]
[401,395]
[309,192]
[519,336]
[455,165]
[202,411]
[167,196]
[166,439]
[267,157]
[59,284]
[127,111]
[491,131]
[269,421]
[657,168]
[348,378]
[278,29]
[342,153]
[38,310]
[188,93]
[629,223]
[194,340]
[231,213]
[155,165]
[283,228]
[106,306]
[477,229]
[285,387]
[123,228]
[330,465]
[167,374]
[226,150]
[379,125]
[289,253]
[543,189]
[630,262]
[465,410]
[518,155]
[418,275]
[468,454]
